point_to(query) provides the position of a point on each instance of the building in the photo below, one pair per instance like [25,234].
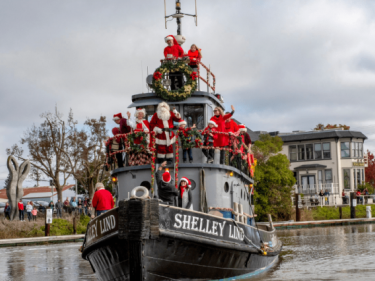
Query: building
[331,160]
[41,193]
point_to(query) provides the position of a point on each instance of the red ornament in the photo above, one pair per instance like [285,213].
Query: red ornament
[157,75]
[193,75]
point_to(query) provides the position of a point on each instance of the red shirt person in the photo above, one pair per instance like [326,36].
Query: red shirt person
[173,50]
[21,210]
[103,200]
[195,55]
[230,127]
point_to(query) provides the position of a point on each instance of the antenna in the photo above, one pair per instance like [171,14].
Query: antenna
[142,76]
[178,15]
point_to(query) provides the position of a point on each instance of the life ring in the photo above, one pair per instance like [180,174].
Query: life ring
[145,194]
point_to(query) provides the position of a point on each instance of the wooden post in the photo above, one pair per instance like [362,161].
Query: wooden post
[353,199]
[74,224]
[340,211]
[47,225]
[298,215]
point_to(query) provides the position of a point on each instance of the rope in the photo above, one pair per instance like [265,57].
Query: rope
[203,196]
[247,240]
[252,213]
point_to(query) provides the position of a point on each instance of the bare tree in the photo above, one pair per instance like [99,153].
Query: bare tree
[36,175]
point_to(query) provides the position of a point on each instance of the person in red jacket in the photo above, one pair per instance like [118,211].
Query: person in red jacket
[21,210]
[173,51]
[209,138]
[219,118]
[231,127]
[103,200]
[195,56]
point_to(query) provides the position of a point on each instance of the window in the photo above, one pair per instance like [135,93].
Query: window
[326,150]
[354,178]
[328,176]
[363,175]
[293,153]
[150,110]
[226,187]
[301,152]
[309,152]
[345,151]
[320,179]
[360,149]
[194,114]
[346,178]
[318,150]
[358,176]
[354,149]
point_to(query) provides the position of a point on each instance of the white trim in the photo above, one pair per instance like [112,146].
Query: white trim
[161,142]
[243,130]
[157,130]
[116,118]
[160,155]
[166,125]
[169,155]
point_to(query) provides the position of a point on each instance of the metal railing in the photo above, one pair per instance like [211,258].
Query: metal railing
[311,189]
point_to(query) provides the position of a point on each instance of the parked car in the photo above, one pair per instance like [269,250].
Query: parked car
[41,205]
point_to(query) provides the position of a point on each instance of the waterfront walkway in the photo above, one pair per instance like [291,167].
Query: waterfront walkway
[41,240]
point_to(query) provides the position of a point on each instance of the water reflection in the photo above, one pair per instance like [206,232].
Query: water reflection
[331,253]
[47,262]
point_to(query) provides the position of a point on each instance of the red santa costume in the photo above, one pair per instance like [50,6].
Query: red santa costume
[163,119]
[173,51]
[140,125]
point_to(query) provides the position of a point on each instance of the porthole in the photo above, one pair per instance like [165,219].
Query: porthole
[241,193]
[193,184]
[226,187]
[146,184]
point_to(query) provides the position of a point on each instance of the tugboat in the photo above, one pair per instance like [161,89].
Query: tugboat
[145,238]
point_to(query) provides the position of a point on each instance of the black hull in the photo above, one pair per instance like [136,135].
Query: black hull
[173,255]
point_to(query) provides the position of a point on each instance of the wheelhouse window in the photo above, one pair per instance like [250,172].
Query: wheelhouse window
[309,152]
[301,152]
[328,176]
[150,110]
[318,150]
[293,153]
[345,150]
[194,114]
[326,150]
[346,178]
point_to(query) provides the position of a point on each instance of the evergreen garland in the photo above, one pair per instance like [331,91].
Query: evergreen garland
[176,95]
[138,147]
[187,142]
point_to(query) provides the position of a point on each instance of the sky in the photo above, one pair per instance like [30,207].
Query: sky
[285,65]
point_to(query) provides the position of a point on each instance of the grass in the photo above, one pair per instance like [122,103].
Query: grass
[64,226]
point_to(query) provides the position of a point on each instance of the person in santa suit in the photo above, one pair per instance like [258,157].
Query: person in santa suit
[123,122]
[231,127]
[117,144]
[140,125]
[162,124]
[166,189]
[219,118]
[185,198]
[247,141]
[174,51]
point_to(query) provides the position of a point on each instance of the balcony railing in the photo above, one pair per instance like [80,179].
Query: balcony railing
[311,189]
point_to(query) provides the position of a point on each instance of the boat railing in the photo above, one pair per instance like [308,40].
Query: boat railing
[200,67]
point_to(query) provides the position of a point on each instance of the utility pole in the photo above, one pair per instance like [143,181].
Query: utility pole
[298,215]
[353,204]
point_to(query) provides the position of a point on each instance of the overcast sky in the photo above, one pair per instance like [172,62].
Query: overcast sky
[285,65]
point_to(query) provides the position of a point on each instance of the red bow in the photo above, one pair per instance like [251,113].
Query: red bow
[194,75]
[157,75]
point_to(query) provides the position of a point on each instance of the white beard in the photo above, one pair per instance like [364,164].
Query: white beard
[163,114]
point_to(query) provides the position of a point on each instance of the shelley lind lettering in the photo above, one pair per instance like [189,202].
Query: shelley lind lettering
[92,232]
[107,224]
[206,226]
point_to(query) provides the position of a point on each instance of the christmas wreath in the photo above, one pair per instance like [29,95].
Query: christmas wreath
[175,95]
[187,141]
[138,147]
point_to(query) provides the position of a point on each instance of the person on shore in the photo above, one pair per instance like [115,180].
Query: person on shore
[219,118]
[59,207]
[80,206]
[73,204]
[359,197]
[85,206]
[6,215]
[195,55]
[345,198]
[103,200]
[209,138]
[8,209]
[185,199]
[183,132]
[34,212]
[321,194]
[326,194]
[21,210]
[51,206]
[29,208]
[166,189]
[66,204]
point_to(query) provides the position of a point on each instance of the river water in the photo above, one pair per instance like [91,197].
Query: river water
[330,253]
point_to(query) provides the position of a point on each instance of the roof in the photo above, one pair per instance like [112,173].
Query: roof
[315,135]
[34,190]
[311,166]
[253,135]
[38,195]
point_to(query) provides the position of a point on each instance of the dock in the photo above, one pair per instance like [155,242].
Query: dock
[41,240]
[322,223]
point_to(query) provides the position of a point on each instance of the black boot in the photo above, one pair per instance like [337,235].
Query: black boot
[169,161]
[161,160]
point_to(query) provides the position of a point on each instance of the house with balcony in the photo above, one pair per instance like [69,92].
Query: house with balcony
[331,160]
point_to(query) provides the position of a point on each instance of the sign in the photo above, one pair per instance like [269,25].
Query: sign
[354,202]
[48,216]
[102,225]
[358,164]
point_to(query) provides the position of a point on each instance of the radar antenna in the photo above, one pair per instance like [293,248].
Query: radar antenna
[178,16]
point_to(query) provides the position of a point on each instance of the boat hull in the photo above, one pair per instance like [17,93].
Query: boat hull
[176,251]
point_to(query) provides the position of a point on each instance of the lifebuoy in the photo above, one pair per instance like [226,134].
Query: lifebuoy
[145,194]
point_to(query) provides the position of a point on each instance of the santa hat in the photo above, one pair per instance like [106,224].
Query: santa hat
[213,123]
[171,37]
[138,111]
[242,128]
[166,177]
[117,116]
[182,122]
[188,182]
